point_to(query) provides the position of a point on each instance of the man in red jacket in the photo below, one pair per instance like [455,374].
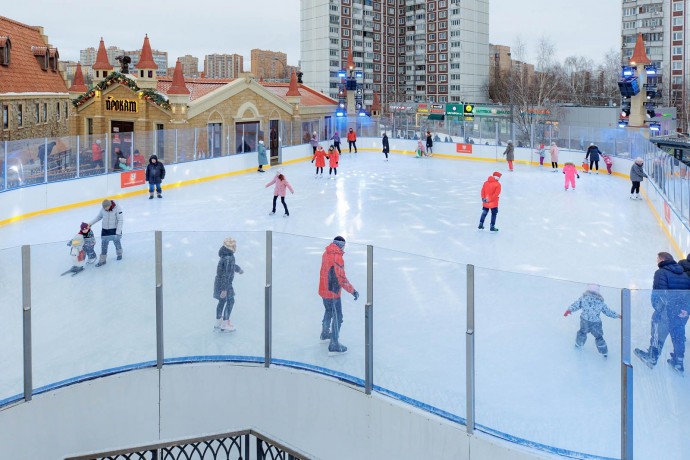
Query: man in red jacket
[352,139]
[490,192]
[331,280]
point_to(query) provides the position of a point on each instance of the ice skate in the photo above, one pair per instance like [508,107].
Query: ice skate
[325,336]
[151,196]
[676,364]
[481,227]
[646,357]
[336,349]
[160,196]
[286,215]
[271,213]
[119,257]
[218,324]
[91,260]
[101,261]
[493,229]
[227,326]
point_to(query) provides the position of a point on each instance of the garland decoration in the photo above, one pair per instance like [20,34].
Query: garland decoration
[117,77]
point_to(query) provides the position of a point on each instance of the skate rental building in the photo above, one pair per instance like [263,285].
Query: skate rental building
[178,119]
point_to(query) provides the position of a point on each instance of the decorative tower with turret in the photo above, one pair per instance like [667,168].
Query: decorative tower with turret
[638,61]
[146,67]
[178,95]
[102,67]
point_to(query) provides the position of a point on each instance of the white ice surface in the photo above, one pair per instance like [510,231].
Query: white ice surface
[421,215]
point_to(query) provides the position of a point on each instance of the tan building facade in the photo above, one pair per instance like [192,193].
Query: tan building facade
[270,65]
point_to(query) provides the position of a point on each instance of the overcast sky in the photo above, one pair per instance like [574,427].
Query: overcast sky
[199,27]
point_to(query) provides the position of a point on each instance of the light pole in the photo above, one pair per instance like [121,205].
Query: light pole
[510,92]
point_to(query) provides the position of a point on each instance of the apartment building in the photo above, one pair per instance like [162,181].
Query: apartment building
[223,65]
[190,66]
[269,65]
[662,24]
[408,50]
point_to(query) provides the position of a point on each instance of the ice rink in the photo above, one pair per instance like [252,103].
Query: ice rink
[421,215]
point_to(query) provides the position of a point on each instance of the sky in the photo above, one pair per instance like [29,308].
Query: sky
[584,27]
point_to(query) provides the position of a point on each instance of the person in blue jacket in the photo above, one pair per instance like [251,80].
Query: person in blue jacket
[593,153]
[155,173]
[670,300]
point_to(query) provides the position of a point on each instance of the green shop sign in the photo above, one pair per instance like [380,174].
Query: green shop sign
[491,111]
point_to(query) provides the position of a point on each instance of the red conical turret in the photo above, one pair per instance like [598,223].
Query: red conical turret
[293,90]
[102,58]
[146,57]
[78,85]
[178,84]
[639,54]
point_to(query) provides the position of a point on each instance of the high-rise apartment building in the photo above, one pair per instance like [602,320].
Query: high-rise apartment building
[190,65]
[408,50]
[223,65]
[269,65]
[662,24]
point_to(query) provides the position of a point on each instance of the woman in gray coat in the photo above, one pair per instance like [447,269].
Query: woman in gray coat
[510,155]
[263,159]
[637,175]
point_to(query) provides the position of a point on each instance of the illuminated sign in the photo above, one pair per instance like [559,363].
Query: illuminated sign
[121,105]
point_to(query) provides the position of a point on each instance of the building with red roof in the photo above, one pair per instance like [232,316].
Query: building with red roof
[222,116]
[34,101]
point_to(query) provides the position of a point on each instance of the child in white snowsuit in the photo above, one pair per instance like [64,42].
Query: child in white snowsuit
[592,305]
[77,252]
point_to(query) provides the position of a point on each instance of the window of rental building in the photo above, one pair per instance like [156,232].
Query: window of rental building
[678,6]
[37,113]
[20,115]
[246,136]
[44,115]
[678,21]
[57,110]
[5,116]
[677,50]
[677,35]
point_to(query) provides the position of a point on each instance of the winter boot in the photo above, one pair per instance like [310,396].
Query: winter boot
[160,196]
[101,261]
[676,364]
[119,255]
[150,196]
[493,229]
[481,227]
[336,349]
[648,357]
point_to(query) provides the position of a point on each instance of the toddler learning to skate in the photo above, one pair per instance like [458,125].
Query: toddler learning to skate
[608,161]
[77,253]
[592,305]
[570,173]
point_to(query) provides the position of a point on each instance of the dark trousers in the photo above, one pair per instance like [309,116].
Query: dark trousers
[90,252]
[224,307]
[352,144]
[282,200]
[594,328]
[635,187]
[333,170]
[554,165]
[105,240]
[662,327]
[485,211]
[332,318]
[337,146]
[594,163]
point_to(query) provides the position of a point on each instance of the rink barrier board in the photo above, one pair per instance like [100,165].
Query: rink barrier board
[6,403]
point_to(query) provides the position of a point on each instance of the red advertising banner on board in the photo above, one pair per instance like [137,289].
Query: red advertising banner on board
[132,178]
[463,148]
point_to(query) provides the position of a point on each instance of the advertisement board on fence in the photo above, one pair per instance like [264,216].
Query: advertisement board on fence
[132,178]
[463,148]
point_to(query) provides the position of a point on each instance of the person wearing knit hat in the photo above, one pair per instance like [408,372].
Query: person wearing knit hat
[332,279]
[509,153]
[262,157]
[592,305]
[111,229]
[89,242]
[490,193]
[222,286]
[637,175]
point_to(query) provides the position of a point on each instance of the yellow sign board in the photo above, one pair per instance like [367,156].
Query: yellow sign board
[121,105]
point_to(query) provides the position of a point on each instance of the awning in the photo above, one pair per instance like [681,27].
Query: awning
[436,116]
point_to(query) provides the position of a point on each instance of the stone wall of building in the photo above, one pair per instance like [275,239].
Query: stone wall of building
[40,116]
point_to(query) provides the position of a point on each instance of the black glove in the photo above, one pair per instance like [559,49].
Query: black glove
[355,295]
[312,160]
[578,176]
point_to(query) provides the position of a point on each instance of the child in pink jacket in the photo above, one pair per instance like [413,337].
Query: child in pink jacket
[280,185]
[570,174]
[608,161]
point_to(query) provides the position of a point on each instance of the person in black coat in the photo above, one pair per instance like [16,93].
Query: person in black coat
[670,312]
[155,173]
[429,143]
[593,153]
[386,145]
[222,285]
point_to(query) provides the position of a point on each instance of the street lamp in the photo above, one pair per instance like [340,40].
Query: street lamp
[511,83]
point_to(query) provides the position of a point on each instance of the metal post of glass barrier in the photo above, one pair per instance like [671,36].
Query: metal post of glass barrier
[26,316]
[4,169]
[469,349]
[45,160]
[159,298]
[176,146]
[369,324]
[268,299]
[78,156]
[626,379]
